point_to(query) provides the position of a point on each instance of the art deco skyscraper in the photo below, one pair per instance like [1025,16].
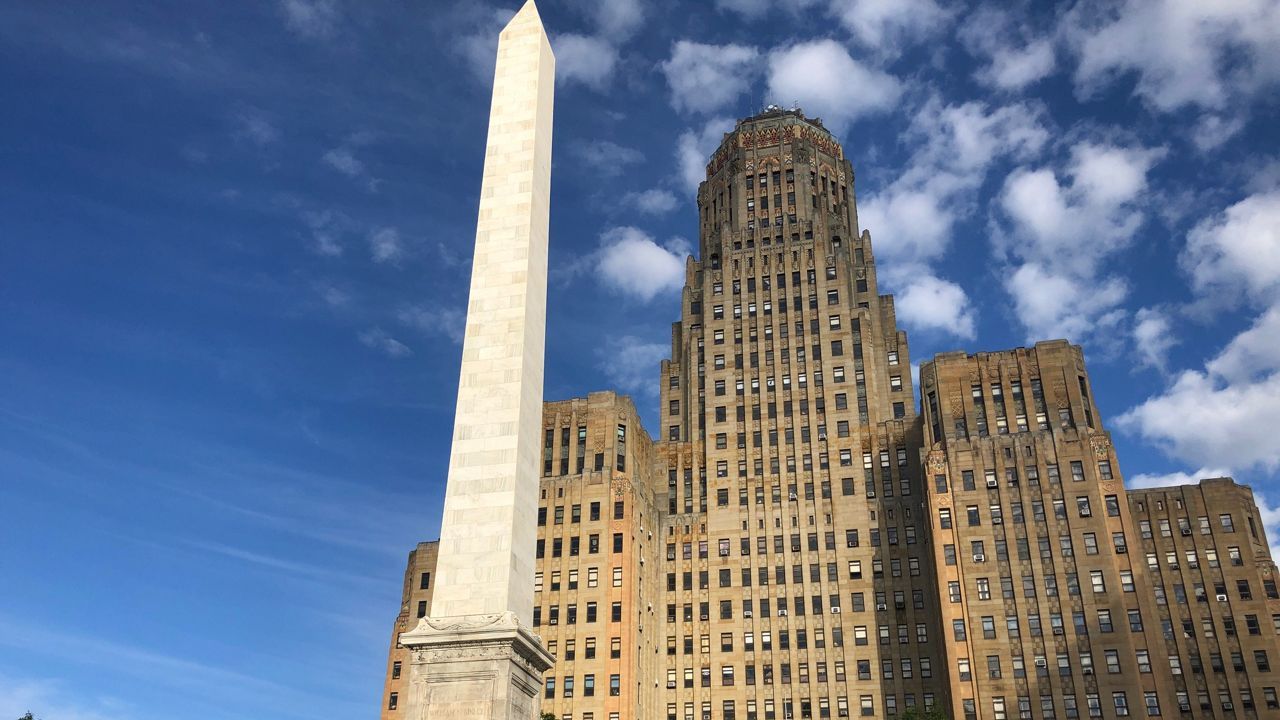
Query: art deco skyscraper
[796,582]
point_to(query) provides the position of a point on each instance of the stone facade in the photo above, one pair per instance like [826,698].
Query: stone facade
[802,541]
[1213,590]
[415,604]
[796,584]
[1063,594]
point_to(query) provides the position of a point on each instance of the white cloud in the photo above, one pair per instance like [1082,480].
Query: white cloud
[1236,254]
[655,201]
[706,78]
[584,59]
[1014,57]
[694,147]
[1212,131]
[618,18]
[1015,68]
[1251,355]
[1153,337]
[631,363]
[1058,305]
[1225,415]
[343,159]
[912,218]
[1149,480]
[253,125]
[1060,234]
[750,9]
[929,303]
[333,296]
[887,24]
[605,157]
[1200,54]
[378,339]
[823,78]
[956,148]
[385,245]
[435,320]
[313,19]
[326,228]
[633,263]
[473,33]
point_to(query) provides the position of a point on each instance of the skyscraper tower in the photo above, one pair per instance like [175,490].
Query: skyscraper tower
[793,477]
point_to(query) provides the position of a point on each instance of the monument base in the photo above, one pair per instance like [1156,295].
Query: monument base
[474,667]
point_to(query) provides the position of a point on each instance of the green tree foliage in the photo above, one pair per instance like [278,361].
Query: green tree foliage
[545,716]
[28,716]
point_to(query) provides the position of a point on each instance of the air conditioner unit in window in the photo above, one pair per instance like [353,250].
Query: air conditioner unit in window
[979,557]
[747,613]
[822,436]
[671,684]
[1042,662]
[836,609]
[992,482]
[792,496]
[1222,598]
[702,617]
[882,606]
[1087,671]
[1186,531]
[782,612]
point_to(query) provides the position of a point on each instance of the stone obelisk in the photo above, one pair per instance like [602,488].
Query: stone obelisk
[474,656]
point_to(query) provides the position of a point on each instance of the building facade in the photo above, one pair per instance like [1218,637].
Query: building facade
[415,603]
[804,541]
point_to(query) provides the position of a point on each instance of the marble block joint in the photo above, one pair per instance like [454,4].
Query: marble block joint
[474,656]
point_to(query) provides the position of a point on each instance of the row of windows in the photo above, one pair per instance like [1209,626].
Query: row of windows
[762,575]
[768,674]
[575,545]
[588,648]
[567,688]
[802,640]
[575,513]
[1112,664]
[1119,705]
[620,448]
[804,708]
[571,614]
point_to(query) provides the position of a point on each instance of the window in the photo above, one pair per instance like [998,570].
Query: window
[393,701]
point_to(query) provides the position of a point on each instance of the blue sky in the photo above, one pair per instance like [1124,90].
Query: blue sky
[234,243]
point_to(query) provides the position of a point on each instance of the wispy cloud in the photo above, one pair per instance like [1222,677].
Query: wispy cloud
[434,320]
[378,339]
[385,245]
[344,160]
[605,157]
[253,125]
[50,699]
[308,571]
[632,363]
[311,19]
[83,644]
